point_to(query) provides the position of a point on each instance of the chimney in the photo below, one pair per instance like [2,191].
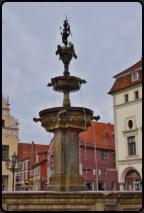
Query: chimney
[32,144]
[106,135]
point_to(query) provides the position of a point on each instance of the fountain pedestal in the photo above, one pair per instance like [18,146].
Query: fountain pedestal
[66,175]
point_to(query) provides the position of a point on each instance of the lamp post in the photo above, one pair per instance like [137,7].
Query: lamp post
[13,163]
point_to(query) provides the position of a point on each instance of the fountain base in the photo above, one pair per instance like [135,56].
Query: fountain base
[66,182]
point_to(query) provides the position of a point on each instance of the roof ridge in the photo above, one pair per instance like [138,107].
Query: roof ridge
[127,69]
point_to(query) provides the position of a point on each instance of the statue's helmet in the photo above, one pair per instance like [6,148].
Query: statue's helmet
[65,23]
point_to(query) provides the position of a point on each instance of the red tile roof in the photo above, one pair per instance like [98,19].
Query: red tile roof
[23,148]
[135,66]
[126,80]
[41,148]
[100,129]
[26,155]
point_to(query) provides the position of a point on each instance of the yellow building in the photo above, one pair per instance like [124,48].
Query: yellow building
[127,105]
[9,144]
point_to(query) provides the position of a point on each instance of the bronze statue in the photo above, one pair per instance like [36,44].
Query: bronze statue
[66,32]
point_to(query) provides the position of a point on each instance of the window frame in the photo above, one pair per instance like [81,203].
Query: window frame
[52,158]
[7,154]
[103,157]
[99,172]
[126,97]
[137,76]
[3,123]
[131,143]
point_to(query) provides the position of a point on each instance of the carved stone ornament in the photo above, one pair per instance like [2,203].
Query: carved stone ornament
[111,207]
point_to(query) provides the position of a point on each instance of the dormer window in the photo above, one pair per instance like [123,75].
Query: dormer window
[106,135]
[135,76]
[113,136]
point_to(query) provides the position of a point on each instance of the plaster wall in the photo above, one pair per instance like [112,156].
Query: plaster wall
[120,96]
[122,114]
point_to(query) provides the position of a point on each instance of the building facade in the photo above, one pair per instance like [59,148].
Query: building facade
[9,143]
[127,106]
[33,174]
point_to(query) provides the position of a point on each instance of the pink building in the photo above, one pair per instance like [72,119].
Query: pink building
[101,136]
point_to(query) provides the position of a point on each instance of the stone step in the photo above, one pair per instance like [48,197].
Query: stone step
[66,209]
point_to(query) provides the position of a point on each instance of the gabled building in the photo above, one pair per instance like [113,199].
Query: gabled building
[9,143]
[127,106]
[33,174]
[97,163]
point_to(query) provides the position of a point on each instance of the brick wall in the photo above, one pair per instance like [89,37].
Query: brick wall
[88,164]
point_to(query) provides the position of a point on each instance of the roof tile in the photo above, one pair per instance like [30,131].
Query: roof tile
[99,129]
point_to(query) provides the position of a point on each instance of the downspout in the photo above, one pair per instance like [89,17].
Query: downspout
[109,170]
[95,157]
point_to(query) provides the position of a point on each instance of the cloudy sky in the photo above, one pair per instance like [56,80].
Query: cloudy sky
[107,38]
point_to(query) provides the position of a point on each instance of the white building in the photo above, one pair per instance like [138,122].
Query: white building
[127,105]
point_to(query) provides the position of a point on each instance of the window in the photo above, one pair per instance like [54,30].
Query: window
[38,171]
[136,95]
[105,172]
[126,98]
[22,176]
[26,165]
[99,171]
[131,146]
[113,186]
[5,151]
[130,124]
[3,123]
[103,155]
[94,171]
[23,166]
[106,135]
[52,158]
[135,76]
[113,136]
[26,175]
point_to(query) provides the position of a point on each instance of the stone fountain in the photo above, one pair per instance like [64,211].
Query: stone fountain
[66,123]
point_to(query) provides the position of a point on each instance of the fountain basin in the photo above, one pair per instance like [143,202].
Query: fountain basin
[70,82]
[73,119]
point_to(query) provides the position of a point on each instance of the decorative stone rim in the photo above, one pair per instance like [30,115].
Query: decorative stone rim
[68,81]
[57,109]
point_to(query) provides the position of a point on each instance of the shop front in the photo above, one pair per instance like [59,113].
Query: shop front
[133,181]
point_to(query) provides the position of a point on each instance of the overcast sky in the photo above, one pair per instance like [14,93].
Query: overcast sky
[107,38]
